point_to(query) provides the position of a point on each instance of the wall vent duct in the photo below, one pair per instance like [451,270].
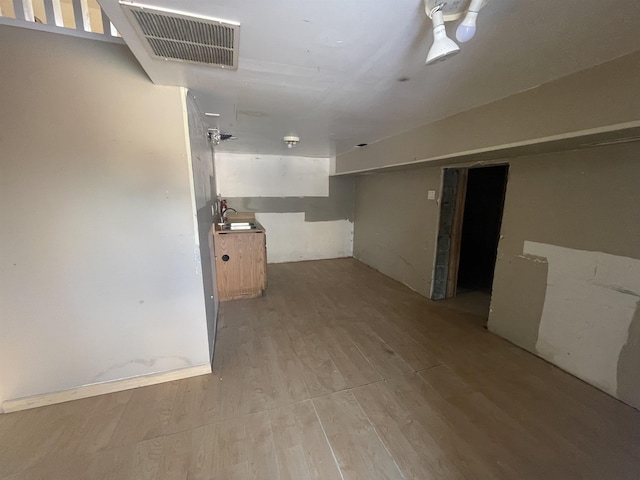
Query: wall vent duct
[185,38]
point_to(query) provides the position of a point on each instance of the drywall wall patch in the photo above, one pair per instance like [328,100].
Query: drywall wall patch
[311,241]
[590,301]
[243,175]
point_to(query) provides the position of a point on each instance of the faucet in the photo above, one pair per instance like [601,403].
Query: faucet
[222,217]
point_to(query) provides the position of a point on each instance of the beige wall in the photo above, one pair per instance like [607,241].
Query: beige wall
[594,100]
[99,273]
[394,230]
[581,208]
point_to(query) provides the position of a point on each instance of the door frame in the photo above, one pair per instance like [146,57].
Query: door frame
[453,190]
[453,195]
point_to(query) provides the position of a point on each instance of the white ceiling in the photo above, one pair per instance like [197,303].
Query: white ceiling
[328,70]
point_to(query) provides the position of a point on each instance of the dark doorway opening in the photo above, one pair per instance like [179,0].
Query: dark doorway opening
[471,206]
[483,207]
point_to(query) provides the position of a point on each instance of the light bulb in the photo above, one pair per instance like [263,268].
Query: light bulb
[467,29]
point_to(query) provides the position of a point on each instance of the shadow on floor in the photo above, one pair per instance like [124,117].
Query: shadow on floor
[475,302]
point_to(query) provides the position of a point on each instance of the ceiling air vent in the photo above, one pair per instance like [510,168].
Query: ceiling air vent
[185,38]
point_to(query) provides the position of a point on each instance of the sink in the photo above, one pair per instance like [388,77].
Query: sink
[240,226]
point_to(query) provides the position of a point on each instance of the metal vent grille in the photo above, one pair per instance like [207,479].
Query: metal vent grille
[184,38]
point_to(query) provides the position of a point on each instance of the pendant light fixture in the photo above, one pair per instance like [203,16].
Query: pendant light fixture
[443,47]
[440,12]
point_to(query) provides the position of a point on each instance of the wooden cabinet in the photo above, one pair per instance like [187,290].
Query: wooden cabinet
[241,263]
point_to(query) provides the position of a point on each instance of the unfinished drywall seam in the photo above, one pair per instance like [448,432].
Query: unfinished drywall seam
[337,206]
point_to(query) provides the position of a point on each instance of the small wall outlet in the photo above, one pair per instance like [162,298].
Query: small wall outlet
[431,195]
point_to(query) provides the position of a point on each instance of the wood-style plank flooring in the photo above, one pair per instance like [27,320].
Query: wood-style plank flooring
[339,373]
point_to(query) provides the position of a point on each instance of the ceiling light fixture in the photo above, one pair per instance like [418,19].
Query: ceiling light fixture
[291,141]
[440,12]
[209,114]
[443,47]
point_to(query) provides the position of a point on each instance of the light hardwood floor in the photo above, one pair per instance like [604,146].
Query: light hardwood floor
[338,373]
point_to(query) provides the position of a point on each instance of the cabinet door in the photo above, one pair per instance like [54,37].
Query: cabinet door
[240,260]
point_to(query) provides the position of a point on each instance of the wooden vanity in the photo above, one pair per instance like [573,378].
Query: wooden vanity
[240,258]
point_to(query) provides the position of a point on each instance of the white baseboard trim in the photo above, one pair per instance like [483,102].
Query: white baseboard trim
[95,389]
